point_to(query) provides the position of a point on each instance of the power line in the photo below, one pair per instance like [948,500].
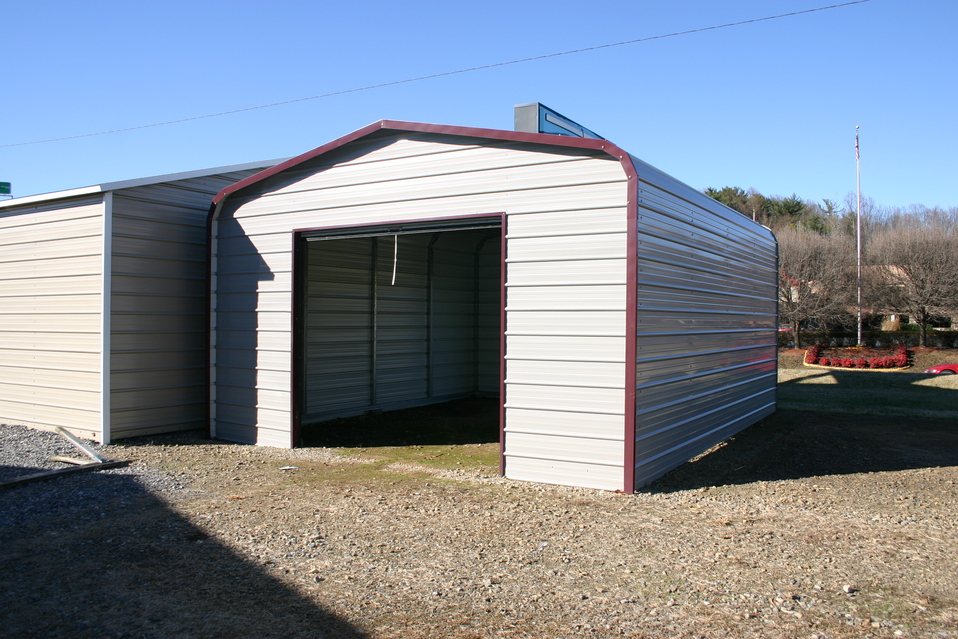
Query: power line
[441,75]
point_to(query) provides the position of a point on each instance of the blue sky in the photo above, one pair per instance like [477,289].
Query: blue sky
[771,105]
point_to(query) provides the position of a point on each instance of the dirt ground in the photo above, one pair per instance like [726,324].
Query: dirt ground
[805,525]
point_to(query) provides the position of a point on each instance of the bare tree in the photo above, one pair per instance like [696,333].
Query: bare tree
[916,261]
[816,278]
[848,214]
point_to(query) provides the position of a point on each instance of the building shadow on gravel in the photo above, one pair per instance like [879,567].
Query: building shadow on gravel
[96,555]
[794,444]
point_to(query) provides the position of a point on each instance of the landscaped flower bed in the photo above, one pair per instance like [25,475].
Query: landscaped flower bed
[819,355]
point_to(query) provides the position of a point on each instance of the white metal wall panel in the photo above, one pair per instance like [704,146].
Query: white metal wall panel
[587,474]
[567,449]
[50,301]
[567,424]
[158,305]
[706,324]
[414,176]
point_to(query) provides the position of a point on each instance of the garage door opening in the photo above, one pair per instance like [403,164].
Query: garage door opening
[395,317]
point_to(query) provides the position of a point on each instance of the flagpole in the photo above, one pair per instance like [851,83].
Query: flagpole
[858,234]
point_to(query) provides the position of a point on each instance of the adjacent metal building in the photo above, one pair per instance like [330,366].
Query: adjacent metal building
[626,321]
[103,305]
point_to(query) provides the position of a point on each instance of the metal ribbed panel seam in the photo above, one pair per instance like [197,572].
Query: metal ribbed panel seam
[565,355]
[50,314]
[158,304]
[706,322]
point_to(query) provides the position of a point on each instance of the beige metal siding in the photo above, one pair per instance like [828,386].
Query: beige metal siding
[50,314]
[158,305]
[566,213]
[706,324]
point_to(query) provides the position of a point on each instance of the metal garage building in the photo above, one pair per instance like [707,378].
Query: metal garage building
[627,321]
[103,305]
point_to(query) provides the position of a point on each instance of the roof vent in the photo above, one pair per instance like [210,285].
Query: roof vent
[538,118]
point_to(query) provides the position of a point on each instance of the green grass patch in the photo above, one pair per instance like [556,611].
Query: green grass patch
[458,434]
[434,456]
[367,473]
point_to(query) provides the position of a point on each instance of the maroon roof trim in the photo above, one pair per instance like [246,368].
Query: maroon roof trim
[442,129]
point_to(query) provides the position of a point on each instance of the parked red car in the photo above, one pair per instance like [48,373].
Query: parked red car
[944,369]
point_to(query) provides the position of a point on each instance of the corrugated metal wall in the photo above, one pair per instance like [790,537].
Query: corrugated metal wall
[566,224]
[339,326]
[489,312]
[159,331]
[464,330]
[50,314]
[430,335]
[706,324]
[565,335]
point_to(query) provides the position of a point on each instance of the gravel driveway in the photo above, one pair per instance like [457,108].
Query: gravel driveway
[804,526]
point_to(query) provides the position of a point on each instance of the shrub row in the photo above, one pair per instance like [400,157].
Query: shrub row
[872,339]
[898,360]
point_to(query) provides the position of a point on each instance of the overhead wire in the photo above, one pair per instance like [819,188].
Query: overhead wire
[443,74]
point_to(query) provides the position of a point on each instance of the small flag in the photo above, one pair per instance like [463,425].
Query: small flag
[857,155]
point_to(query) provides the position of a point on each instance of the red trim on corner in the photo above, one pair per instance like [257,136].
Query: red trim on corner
[631,319]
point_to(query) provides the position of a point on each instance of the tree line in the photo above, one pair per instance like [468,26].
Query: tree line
[909,260]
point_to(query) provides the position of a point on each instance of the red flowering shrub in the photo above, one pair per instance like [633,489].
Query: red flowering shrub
[901,357]
[899,360]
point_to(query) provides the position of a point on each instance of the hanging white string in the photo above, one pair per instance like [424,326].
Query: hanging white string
[395,257]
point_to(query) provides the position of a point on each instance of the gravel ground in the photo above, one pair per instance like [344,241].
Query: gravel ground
[804,526]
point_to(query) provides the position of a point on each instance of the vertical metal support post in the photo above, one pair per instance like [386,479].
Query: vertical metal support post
[106,320]
[475,318]
[430,270]
[374,322]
